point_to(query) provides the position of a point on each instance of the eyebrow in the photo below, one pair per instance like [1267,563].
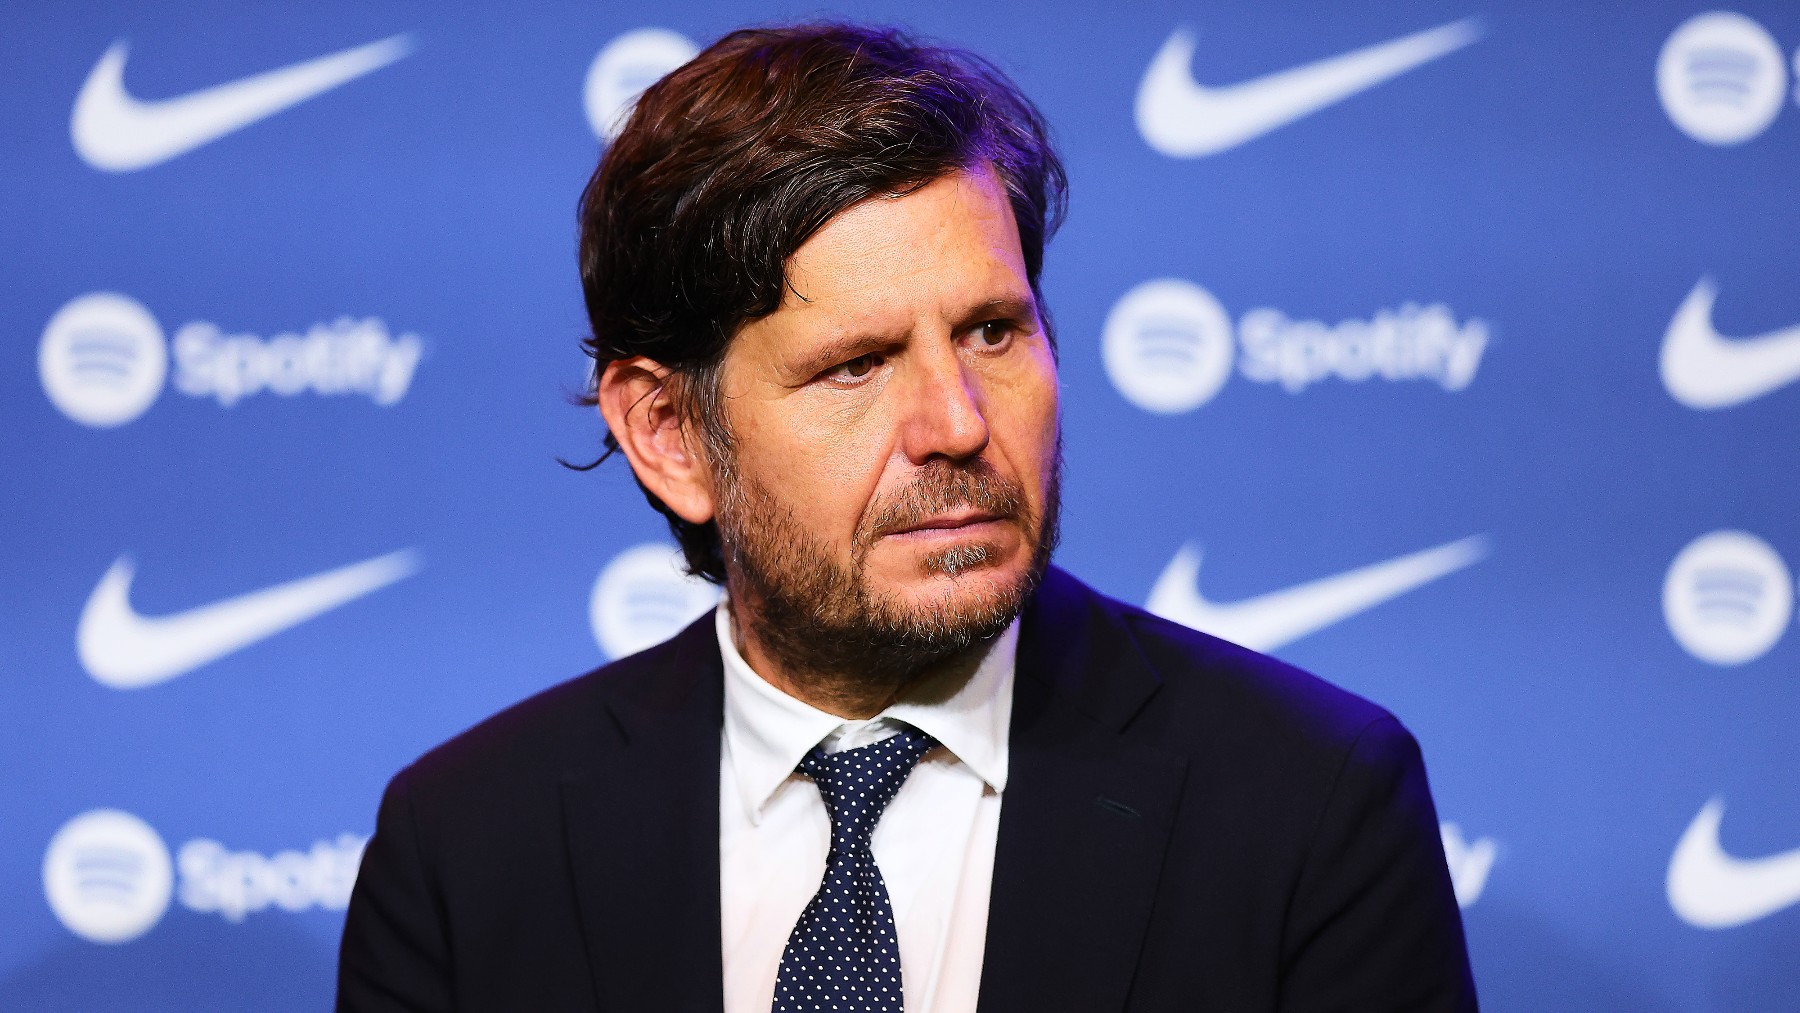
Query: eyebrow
[1004,307]
[851,345]
[840,349]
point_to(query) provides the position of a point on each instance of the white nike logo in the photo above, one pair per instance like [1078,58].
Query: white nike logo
[118,133]
[124,650]
[1184,119]
[1712,890]
[1470,864]
[1703,369]
[1271,621]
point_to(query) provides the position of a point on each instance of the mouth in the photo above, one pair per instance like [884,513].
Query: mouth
[950,523]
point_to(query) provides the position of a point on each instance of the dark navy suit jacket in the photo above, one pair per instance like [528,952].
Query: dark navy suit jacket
[1187,826]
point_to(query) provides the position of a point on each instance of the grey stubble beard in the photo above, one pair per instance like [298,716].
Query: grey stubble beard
[830,632]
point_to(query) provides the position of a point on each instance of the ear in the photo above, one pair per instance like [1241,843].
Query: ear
[635,401]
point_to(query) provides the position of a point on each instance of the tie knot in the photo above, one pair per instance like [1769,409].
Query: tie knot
[857,784]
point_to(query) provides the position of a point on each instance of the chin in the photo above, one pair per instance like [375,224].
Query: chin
[959,574]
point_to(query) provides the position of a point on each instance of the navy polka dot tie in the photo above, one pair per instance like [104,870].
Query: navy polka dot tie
[843,954]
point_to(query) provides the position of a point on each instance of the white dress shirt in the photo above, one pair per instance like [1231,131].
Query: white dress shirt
[934,845]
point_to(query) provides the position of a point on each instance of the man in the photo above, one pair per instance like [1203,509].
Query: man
[906,765]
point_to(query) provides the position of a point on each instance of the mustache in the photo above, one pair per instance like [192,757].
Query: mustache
[939,487]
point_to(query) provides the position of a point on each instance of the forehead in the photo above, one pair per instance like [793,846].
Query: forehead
[948,240]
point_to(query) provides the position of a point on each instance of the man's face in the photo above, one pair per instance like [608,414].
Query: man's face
[893,427]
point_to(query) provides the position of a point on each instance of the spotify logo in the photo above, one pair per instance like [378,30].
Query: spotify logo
[643,598]
[621,71]
[103,359]
[107,876]
[1167,346]
[1728,598]
[1721,78]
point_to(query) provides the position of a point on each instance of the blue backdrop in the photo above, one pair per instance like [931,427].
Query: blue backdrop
[1447,351]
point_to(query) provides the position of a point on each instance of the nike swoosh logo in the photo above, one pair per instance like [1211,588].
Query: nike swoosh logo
[1703,369]
[1271,621]
[1470,863]
[1712,890]
[1182,118]
[125,650]
[118,133]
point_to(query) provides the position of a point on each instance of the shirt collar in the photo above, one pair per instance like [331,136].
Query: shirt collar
[768,733]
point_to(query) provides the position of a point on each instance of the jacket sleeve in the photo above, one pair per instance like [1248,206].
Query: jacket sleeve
[1373,924]
[395,950]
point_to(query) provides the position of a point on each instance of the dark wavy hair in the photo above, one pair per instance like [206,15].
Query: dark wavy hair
[730,163]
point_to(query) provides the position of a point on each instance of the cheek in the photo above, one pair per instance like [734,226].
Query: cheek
[1029,399]
[824,466]
[1049,404]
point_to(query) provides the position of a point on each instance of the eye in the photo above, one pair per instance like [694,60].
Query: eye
[994,332]
[858,367]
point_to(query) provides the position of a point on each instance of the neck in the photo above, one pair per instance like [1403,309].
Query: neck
[855,695]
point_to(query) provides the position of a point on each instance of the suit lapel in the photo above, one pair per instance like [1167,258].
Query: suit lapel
[1086,815]
[642,815]
[1083,826]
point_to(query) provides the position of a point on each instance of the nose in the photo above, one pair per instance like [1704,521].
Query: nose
[944,414]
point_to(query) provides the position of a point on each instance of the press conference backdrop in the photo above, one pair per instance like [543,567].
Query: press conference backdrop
[1449,351]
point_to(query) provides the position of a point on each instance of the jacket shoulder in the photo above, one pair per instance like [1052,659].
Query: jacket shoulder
[555,727]
[1208,689]
[1218,673]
